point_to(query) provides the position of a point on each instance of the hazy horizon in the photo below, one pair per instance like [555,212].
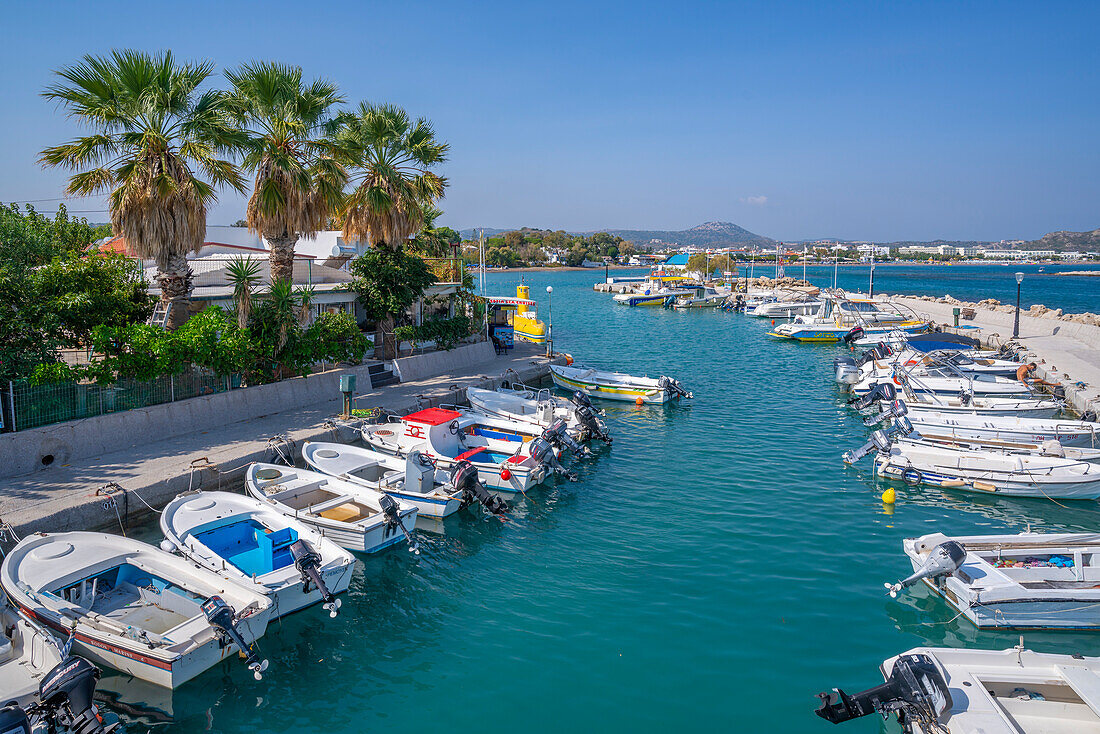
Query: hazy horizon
[866,121]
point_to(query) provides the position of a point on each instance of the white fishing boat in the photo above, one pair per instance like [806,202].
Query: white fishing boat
[880,398]
[43,688]
[1004,430]
[702,297]
[939,363]
[990,472]
[351,515]
[27,653]
[414,479]
[658,290]
[617,385]
[541,409]
[942,381]
[964,691]
[252,543]
[1024,581]
[789,306]
[137,608]
[449,437]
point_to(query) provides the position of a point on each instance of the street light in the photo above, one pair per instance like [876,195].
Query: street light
[550,322]
[1016,326]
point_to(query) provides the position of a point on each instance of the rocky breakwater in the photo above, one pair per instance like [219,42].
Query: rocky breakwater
[1038,310]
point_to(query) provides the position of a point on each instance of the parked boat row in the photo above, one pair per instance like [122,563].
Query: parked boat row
[954,417]
[232,563]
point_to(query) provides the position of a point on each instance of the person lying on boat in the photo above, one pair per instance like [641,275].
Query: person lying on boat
[1025,375]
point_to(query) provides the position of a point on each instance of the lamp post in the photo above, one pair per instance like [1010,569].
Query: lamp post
[550,322]
[1016,326]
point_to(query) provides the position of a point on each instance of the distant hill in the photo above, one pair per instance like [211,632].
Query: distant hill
[1065,242]
[709,234]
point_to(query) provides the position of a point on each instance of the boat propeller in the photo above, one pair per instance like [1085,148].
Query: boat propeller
[586,415]
[944,560]
[916,690]
[308,563]
[392,513]
[221,617]
[464,478]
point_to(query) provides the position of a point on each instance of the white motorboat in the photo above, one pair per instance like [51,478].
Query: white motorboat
[252,543]
[349,514]
[137,609]
[702,297]
[986,471]
[946,363]
[541,409]
[617,385]
[44,688]
[446,436]
[880,399]
[414,479]
[1024,581]
[658,290]
[1004,430]
[941,381]
[791,305]
[963,691]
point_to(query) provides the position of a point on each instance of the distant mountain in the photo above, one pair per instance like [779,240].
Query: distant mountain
[472,232]
[709,234]
[1065,242]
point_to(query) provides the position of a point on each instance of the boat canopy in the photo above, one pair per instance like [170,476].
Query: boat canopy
[941,340]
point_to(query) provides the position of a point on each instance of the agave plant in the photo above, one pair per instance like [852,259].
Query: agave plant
[156,145]
[243,273]
[298,181]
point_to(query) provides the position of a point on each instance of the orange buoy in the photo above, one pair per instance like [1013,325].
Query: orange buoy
[773,322]
[568,360]
[505,474]
[639,401]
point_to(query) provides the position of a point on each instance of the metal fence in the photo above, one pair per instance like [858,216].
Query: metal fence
[29,406]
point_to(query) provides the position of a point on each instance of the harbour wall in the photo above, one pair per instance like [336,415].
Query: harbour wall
[115,487]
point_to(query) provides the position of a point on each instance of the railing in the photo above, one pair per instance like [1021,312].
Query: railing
[447,270]
[28,406]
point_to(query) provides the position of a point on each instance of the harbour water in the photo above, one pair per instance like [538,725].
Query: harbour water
[715,567]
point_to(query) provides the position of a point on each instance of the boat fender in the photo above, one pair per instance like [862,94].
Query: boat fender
[912,476]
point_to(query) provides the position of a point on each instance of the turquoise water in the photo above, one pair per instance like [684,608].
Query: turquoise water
[1071,293]
[716,567]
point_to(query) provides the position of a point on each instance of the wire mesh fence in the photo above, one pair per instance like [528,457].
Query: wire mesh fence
[29,406]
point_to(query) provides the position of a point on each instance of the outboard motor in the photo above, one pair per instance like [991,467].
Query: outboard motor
[464,478]
[897,409]
[14,720]
[308,563]
[221,617]
[592,425]
[879,441]
[542,451]
[392,512]
[944,560]
[916,690]
[560,439]
[66,698]
[673,386]
[846,370]
[856,332]
[881,391]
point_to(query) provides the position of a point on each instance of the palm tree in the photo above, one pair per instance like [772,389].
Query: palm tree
[155,146]
[431,241]
[298,182]
[389,159]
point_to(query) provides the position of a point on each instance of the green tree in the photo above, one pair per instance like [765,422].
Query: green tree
[387,282]
[155,146]
[298,181]
[84,292]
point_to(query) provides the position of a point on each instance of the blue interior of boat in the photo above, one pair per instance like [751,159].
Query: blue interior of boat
[251,547]
[123,574]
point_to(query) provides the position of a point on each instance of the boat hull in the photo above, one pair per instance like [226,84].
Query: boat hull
[1005,485]
[1023,614]
[631,395]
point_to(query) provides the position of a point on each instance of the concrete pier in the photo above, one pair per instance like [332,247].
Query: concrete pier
[116,490]
[1066,352]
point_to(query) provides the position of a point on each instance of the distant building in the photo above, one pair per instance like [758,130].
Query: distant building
[677,262]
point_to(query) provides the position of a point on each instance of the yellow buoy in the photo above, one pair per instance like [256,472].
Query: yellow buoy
[889,496]
[639,401]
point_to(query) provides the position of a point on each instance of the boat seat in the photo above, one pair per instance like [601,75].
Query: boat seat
[346,512]
[466,455]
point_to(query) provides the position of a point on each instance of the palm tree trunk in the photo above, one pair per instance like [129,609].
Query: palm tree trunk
[175,281]
[282,255]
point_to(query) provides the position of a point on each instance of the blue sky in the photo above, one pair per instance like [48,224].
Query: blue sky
[861,120]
